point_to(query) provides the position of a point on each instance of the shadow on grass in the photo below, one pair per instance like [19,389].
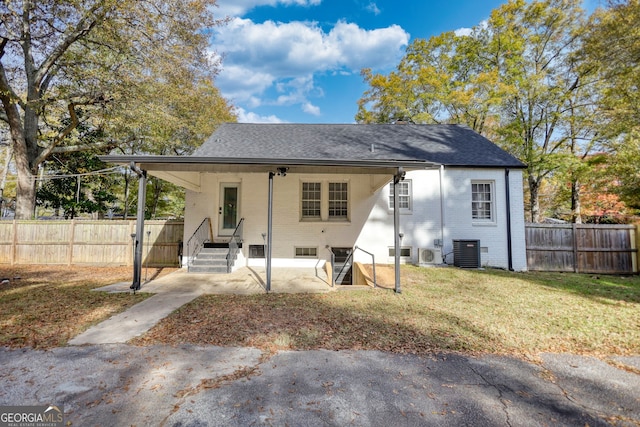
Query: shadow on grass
[307,322]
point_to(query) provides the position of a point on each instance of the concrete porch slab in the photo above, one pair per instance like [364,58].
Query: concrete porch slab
[244,281]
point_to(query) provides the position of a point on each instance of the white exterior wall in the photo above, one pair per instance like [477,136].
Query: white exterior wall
[370,225]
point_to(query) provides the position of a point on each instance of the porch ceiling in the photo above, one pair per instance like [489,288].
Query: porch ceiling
[185,171]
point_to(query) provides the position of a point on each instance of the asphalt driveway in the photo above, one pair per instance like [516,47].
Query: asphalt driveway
[119,384]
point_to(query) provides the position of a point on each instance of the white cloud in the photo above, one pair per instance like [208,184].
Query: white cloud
[463,32]
[286,56]
[240,7]
[467,31]
[309,108]
[275,63]
[251,117]
[373,8]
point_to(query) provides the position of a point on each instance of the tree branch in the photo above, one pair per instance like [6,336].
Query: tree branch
[82,28]
[81,147]
[73,124]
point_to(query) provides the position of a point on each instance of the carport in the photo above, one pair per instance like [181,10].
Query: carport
[185,171]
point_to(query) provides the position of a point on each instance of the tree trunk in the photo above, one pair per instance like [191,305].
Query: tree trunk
[157,191]
[24,143]
[534,202]
[125,205]
[576,215]
[5,171]
[26,180]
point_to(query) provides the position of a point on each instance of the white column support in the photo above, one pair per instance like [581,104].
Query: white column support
[399,176]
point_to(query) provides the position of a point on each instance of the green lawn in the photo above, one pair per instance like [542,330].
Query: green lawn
[440,309]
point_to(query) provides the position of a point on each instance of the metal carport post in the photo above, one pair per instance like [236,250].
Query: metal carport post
[142,196]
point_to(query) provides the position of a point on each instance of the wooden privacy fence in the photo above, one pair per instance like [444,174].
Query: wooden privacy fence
[78,242]
[582,248]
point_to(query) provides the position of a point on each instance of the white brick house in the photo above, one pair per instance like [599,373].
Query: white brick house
[330,188]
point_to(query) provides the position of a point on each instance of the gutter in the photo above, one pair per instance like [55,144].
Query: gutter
[186,160]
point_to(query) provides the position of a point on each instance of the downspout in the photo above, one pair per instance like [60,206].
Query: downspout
[269,230]
[508,197]
[399,176]
[442,212]
[142,196]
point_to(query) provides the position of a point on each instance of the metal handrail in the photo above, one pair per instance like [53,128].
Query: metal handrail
[373,262]
[234,242]
[346,262]
[333,264]
[197,240]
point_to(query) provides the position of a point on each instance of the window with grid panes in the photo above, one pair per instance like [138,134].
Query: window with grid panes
[306,252]
[482,200]
[338,200]
[311,199]
[404,195]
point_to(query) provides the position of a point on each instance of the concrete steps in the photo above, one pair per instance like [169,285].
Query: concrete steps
[210,260]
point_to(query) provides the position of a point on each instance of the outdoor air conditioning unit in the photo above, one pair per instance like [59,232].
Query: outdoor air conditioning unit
[428,256]
[466,253]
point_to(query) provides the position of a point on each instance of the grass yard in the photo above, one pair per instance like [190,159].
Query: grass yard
[440,309]
[44,306]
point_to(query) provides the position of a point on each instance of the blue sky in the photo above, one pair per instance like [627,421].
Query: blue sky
[299,61]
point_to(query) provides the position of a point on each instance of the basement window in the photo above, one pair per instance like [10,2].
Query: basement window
[256,251]
[306,252]
[405,252]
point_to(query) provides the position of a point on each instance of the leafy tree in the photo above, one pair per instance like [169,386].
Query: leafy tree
[82,60]
[70,188]
[515,79]
[170,116]
[440,80]
[613,48]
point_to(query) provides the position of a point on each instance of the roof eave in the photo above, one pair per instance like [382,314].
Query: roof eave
[178,162]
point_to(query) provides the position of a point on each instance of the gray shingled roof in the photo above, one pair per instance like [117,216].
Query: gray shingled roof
[449,145]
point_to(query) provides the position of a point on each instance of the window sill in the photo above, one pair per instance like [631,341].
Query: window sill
[484,224]
[325,221]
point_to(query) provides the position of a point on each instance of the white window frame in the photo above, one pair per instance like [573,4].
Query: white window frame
[408,196]
[483,211]
[309,200]
[338,204]
[327,204]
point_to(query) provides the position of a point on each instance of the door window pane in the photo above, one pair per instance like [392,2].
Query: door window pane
[230,209]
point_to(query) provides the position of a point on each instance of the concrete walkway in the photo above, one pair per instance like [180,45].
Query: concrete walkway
[135,321]
[179,288]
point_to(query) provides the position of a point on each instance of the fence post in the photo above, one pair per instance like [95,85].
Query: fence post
[14,245]
[72,232]
[635,244]
[575,247]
